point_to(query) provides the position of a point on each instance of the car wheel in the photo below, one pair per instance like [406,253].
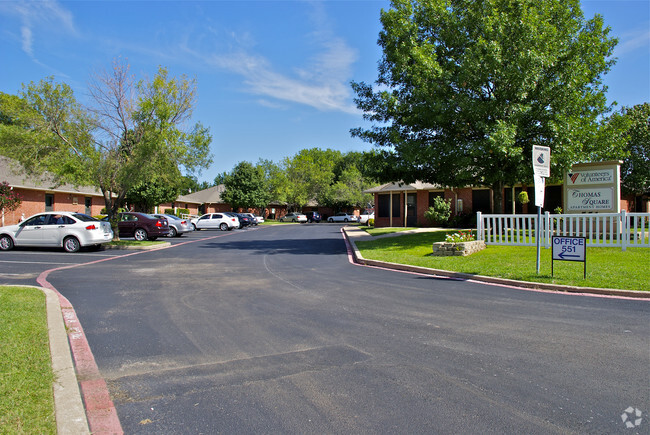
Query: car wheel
[172,232]
[71,244]
[345,220]
[195,228]
[293,220]
[330,220]
[140,235]
[6,243]
[223,227]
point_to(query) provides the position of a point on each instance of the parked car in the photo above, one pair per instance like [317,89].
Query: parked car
[253,218]
[294,217]
[343,217]
[215,221]
[313,216]
[68,230]
[177,226]
[363,217]
[244,220]
[259,219]
[141,226]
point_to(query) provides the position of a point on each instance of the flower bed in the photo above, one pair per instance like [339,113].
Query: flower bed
[448,249]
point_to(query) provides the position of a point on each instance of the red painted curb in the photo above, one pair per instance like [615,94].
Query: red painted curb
[100,410]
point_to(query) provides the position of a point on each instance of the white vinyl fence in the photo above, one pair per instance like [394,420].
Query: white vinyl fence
[600,229]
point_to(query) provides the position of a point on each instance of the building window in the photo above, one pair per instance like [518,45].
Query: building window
[383,205]
[434,195]
[49,202]
[481,201]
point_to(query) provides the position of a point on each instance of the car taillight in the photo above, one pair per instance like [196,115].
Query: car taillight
[91,227]
[183,222]
[159,224]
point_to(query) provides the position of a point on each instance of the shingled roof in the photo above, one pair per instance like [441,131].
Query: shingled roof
[13,173]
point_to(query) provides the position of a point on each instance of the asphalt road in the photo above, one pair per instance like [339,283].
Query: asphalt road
[272,330]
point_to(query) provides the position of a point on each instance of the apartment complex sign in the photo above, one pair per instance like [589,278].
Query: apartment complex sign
[582,178]
[593,187]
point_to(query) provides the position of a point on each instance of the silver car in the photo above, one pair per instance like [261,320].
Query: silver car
[177,226]
[68,230]
[343,217]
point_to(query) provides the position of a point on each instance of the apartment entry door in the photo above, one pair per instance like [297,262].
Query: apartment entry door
[411,209]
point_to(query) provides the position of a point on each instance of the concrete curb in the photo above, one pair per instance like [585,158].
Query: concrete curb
[68,405]
[351,233]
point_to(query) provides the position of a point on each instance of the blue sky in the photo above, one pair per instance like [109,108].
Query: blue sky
[273,76]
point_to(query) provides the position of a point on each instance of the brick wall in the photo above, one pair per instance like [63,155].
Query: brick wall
[33,201]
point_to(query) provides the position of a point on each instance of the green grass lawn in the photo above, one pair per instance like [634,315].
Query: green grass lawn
[26,398]
[136,242]
[606,267]
[384,230]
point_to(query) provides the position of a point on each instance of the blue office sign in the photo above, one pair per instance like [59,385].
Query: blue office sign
[568,248]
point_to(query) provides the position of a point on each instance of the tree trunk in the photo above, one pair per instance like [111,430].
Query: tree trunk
[497,189]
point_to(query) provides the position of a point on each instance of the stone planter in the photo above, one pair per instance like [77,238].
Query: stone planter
[446,249]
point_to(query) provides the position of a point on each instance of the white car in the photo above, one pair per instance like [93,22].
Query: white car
[294,217]
[363,218]
[68,230]
[343,217]
[215,221]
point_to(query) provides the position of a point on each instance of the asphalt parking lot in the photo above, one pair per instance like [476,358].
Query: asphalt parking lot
[273,330]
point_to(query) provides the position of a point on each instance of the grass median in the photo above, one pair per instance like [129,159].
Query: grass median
[606,267]
[26,378]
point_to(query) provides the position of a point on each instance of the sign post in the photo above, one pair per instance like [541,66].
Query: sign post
[567,248]
[541,170]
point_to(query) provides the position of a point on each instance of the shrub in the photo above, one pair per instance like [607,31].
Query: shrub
[169,211]
[371,222]
[522,197]
[440,211]
[182,211]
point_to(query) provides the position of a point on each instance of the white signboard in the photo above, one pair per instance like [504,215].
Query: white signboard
[590,199]
[569,248]
[539,190]
[582,178]
[541,161]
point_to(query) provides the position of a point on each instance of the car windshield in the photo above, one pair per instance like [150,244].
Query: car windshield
[84,217]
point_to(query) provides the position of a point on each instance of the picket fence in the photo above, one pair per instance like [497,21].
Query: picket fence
[600,229]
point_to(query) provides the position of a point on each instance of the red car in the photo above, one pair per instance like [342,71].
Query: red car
[142,226]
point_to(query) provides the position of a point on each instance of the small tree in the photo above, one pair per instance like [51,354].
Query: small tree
[439,212]
[9,200]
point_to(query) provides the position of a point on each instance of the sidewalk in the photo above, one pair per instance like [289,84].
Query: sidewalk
[354,234]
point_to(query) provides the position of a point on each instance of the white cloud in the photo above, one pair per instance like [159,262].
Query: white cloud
[38,16]
[321,82]
[633,41]
[27,40]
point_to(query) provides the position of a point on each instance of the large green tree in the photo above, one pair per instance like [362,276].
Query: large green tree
[635,171]
[308,174]
[134,132]
[466,88]
[246,187]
